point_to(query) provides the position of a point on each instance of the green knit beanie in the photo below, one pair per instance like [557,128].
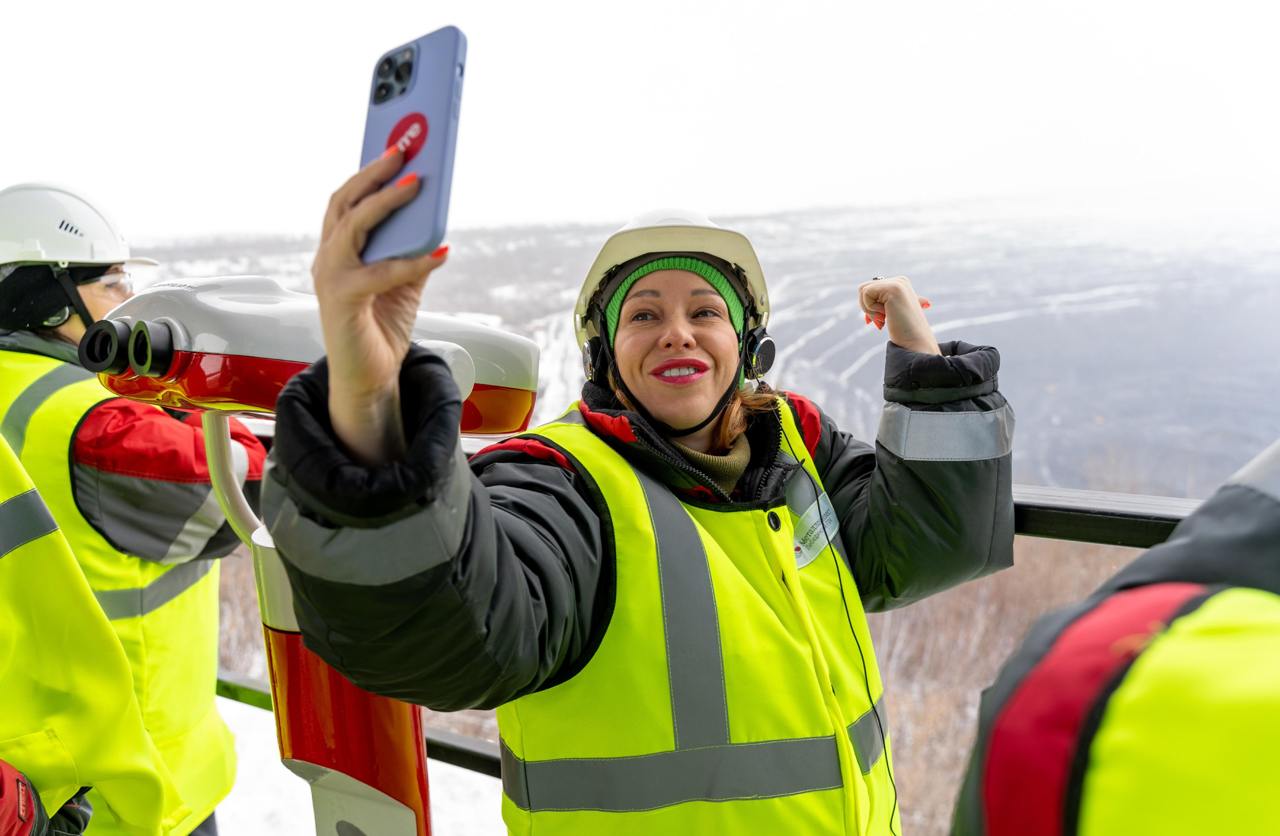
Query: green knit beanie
[713,277]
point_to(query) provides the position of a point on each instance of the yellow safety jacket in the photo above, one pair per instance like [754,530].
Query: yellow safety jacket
[68,714]
[165,615]
[1195,718]
[735,689]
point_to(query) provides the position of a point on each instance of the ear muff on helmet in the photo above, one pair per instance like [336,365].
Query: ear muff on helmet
[758,353]
[43,295]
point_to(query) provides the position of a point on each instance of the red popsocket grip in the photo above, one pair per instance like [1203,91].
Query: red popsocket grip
[409,135]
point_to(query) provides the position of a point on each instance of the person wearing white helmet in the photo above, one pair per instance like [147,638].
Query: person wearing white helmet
[663,591]
[63,264]
[126,482]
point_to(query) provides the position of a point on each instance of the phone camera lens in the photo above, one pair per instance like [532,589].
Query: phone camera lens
[404,72]
[382,92]
[385,66]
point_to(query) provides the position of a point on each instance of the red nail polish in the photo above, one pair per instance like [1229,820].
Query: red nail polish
[407,180]
[867,317]
[441,251]
[926,304]
[391,152]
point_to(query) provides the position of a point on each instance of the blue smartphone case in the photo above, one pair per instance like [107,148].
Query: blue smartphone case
[422,116]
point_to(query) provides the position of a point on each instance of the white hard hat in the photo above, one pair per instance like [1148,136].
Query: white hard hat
[672,231]
[45,223]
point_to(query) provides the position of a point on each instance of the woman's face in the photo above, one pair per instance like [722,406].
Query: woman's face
[675,346]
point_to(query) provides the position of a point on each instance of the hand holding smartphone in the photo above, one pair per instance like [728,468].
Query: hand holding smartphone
[414,100]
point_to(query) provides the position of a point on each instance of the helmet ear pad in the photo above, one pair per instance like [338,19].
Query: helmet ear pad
[758,353]
[594,363]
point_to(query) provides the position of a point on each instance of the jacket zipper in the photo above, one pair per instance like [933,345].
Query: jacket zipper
[685,467]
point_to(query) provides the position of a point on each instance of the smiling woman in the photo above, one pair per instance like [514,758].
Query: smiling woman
[677,352]
[663,591]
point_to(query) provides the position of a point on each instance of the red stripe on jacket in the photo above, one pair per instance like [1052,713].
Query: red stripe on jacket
[529,447]
[136,439]
[1034,739]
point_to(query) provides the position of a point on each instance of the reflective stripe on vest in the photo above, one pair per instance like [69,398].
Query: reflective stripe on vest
[708,773]
[694,667]
[130,603]
[18,416]
[23,518]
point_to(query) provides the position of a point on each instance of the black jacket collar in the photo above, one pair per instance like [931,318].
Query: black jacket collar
[29,342]
[626,431]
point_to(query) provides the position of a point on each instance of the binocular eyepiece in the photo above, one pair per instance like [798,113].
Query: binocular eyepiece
[113,347]
[104,347]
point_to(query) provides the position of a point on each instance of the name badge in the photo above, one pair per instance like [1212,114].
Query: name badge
[812,530]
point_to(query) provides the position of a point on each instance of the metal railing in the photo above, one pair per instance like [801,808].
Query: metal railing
[1112,519]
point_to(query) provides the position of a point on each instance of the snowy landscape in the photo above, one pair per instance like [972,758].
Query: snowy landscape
[1137,358]
[1124,346]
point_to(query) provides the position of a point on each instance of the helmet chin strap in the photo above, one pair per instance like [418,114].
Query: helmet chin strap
[73,295]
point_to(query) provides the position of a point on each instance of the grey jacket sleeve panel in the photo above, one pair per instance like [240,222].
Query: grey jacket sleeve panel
[931,505]
[455,587]
[322,546]
[138,477]
[511,609]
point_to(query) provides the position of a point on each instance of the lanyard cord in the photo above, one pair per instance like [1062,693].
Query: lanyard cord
[866,676]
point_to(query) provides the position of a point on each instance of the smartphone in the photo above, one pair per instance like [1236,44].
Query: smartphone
[414,100]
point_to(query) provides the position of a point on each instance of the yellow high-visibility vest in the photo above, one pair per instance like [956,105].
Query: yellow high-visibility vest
[735,689]
[68,714]
[1188,741]
[165,615]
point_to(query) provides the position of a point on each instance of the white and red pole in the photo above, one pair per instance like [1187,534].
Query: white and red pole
[364,756]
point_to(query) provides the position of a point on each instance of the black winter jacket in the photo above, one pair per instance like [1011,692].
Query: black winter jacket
[457,584]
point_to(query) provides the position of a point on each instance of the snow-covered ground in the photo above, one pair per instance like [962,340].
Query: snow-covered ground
[269,799]
[1118,371]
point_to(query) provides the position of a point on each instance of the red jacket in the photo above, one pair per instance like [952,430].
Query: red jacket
[141,479]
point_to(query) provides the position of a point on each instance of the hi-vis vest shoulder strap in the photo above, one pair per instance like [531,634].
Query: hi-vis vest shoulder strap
[165,615]
[69,714]
[727,694]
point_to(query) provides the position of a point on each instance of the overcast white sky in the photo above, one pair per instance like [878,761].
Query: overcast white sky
[192,119]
